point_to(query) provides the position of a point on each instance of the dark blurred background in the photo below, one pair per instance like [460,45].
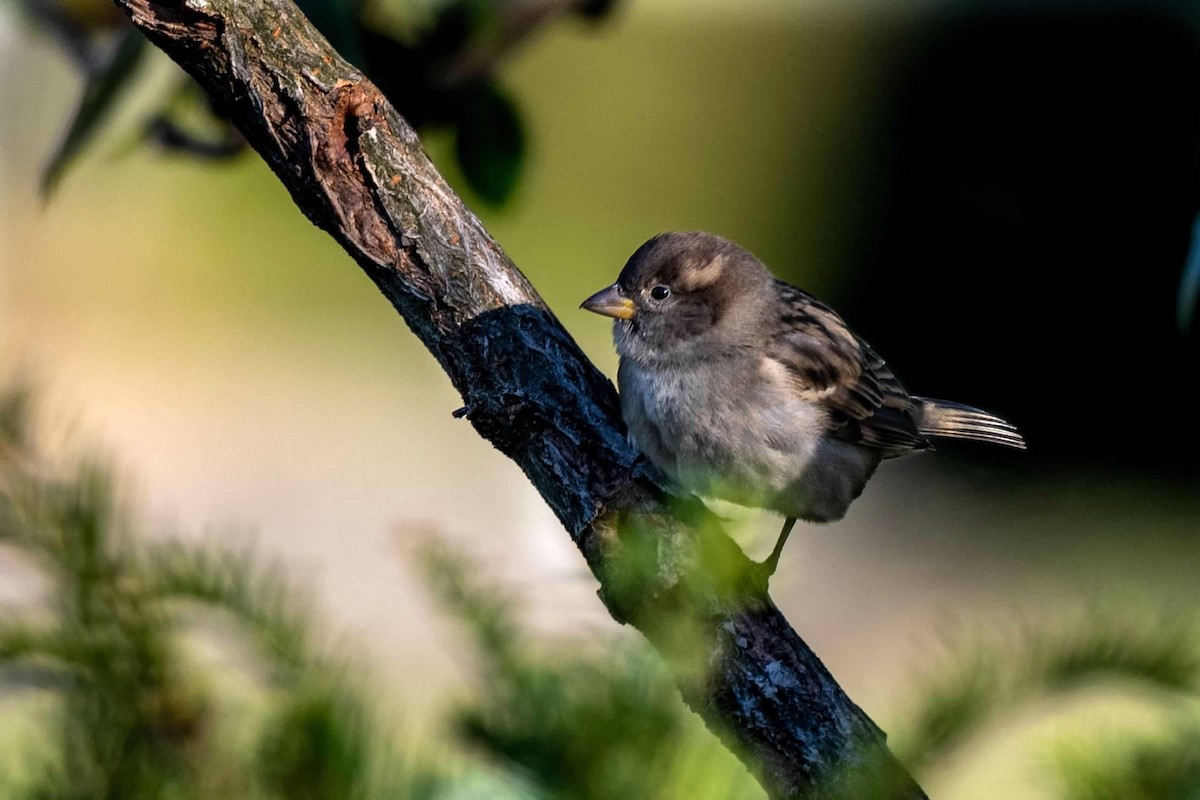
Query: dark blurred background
[1030,180]
[999,196]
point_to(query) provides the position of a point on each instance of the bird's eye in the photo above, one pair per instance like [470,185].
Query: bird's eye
[660,292]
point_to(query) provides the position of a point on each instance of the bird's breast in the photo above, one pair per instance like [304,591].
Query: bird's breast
[720,430]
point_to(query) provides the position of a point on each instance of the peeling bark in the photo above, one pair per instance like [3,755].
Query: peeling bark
[357,171]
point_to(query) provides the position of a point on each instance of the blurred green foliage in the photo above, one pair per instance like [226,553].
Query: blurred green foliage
[135,715]
[1163,767]
[138,714]
[102,89]
[437,63]
[987,680]
[585,721]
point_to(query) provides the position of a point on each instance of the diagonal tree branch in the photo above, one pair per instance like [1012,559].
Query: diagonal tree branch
[357,170]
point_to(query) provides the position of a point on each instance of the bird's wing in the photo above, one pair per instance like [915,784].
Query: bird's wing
[826,363]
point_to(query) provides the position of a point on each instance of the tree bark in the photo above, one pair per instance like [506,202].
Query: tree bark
[357,170]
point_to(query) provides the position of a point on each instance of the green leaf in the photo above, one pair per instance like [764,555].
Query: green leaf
[337,22]
[595,10]
[100,93]
[489,142]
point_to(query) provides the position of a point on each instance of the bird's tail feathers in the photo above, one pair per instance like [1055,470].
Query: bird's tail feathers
[941,418]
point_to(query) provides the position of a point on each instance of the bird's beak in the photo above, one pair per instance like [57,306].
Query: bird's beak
[610,302]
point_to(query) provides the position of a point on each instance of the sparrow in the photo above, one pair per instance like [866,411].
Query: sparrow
[739,386]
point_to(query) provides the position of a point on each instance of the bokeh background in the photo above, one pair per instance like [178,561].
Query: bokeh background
[1000,196]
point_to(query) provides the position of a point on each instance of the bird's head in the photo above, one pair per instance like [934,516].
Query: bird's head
[683,296]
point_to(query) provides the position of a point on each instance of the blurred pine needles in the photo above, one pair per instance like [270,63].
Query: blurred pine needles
[988,679]
[137,716]
[579,722]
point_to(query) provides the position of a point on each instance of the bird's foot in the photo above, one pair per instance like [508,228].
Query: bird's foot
[759,573]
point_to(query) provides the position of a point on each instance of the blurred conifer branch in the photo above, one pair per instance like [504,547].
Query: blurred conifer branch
[138,718]
[1164,766]
[583,720]
[135,718]
[259,599]
[988,679]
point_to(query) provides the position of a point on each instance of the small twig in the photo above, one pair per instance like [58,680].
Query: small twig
[169,135]
[75,40]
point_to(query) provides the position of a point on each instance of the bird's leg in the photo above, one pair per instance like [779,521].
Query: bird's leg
[768,566]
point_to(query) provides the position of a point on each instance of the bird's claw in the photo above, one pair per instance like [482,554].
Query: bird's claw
[759,574]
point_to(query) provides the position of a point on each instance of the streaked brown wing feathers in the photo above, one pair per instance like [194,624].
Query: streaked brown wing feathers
[831,366]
